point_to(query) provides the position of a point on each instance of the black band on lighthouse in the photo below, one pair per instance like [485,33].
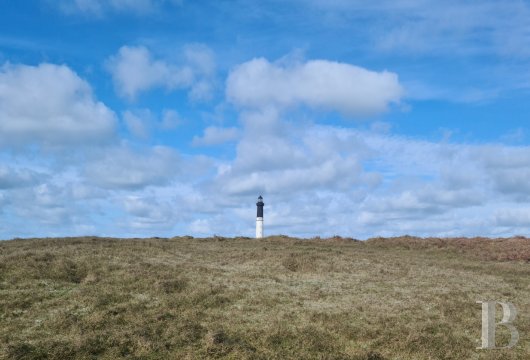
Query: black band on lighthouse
[260,204]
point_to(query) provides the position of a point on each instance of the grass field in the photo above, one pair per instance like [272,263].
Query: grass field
[275,298]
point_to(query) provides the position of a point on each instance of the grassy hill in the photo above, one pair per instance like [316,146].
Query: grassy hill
[275,298]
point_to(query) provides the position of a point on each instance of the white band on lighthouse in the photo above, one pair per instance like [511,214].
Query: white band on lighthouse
[259,227]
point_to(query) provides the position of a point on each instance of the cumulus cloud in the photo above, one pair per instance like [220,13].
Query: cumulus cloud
[214,135]
[201,58]
[419,203]
[513,217]
[327,180]
[316,180]
[143,123]
[138,123]
[135,70]
[50,105]
[61,205]
[201,227]
[46,204]
[513,181]
[148,212]
[288,160]
[318,83]
[124,168]
[506,169]
[11,178]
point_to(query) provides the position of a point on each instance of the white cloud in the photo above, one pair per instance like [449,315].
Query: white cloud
[513,181]
[291,160]
[50,105]
[62,205]
[513,217]
[423,201]
[201,91]
[318,83]
[149,212]
[334,173]
[100,7]
[216,135]
[326,180]
[135,70]
[201,227]
[455,33]
[449,27]
[316,180]
[15,177]
[3,200]
[170,119]
[506,169]
[143,123]
[201,58]
[416,90]
[124,168]
[138,123]
[47,204]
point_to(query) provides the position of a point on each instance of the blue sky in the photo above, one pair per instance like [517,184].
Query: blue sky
[170,117]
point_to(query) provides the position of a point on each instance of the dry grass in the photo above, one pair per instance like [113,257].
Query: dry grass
[275,298]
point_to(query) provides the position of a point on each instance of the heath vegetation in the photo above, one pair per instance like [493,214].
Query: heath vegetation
[274,298]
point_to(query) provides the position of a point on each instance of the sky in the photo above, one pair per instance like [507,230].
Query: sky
[170,117]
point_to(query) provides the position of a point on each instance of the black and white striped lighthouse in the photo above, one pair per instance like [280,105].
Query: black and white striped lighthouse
[259,218]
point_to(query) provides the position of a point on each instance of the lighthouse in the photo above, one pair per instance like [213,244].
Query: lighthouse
[259,218]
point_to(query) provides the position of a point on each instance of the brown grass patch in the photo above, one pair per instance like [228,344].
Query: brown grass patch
[274,298]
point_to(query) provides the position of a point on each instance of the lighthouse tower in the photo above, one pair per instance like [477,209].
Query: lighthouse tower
[259,218]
